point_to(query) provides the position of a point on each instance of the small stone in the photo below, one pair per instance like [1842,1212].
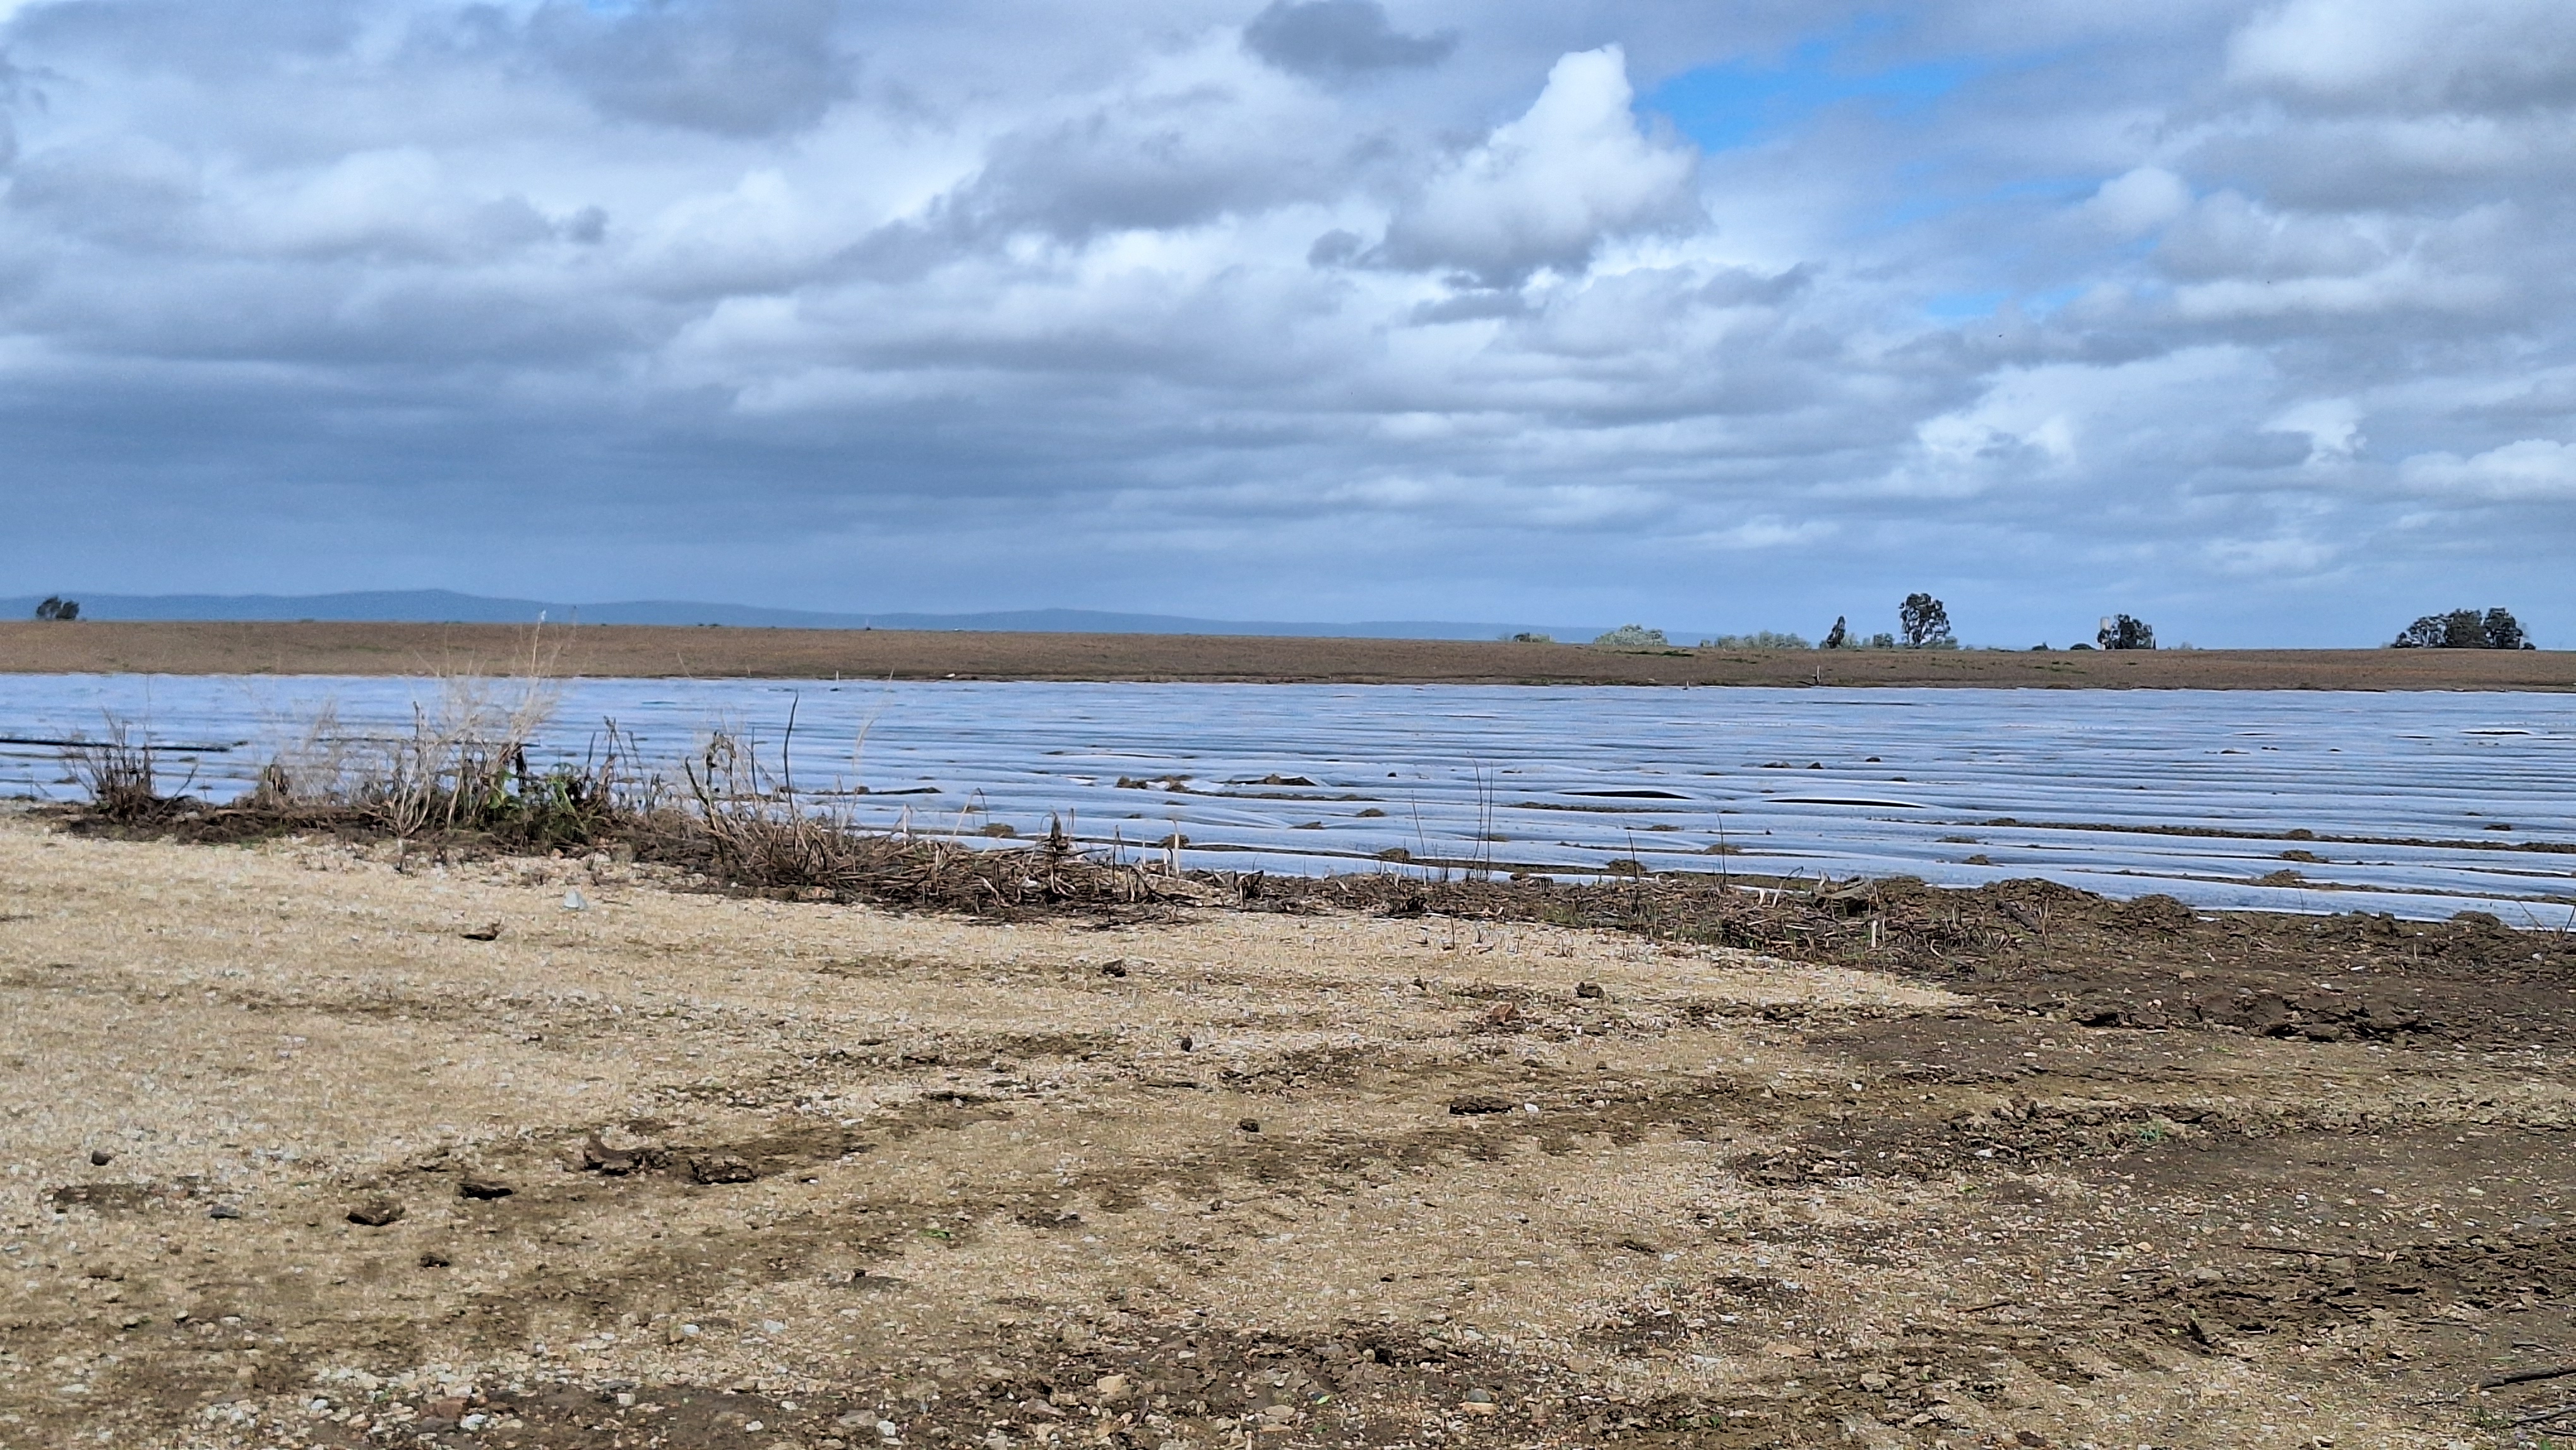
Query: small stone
[376,1212]
[471,1186]
[100,1157]
[1250,1125]
[1588,990]
[1117,968]
[488,931]
[1110,1386]
[449,1408]
[223,1210]
[575,901]
[1474,1104]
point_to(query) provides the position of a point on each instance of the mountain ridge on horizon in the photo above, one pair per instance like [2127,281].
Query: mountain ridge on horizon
[447,606]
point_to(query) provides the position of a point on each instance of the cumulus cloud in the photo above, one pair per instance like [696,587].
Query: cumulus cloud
[1549,188]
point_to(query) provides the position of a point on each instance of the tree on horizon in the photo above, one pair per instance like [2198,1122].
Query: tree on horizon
[1924,620]
[2125,631]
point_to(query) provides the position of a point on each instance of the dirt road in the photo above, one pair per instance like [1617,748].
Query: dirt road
[294,1156]
[198,648]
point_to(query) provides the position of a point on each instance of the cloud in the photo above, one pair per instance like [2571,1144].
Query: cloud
[1312,308]
[2332,427]
[1549,188]
[1340,39]
[2525,469]
[2417,54]
[2138,200]
[1191,140]
[2232,257]
[1769,532]
[732,67]
[2267,557]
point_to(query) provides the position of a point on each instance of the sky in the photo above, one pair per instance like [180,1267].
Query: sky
[2253,320]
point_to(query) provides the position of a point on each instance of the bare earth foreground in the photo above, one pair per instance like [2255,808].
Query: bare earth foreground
[631,651]
[294,1159]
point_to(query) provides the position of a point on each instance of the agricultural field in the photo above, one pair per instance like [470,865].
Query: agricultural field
[338,1142]
[639,651]
[2423,803]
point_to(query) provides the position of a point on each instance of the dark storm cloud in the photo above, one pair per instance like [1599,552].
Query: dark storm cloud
[1340,38]
[2251,315]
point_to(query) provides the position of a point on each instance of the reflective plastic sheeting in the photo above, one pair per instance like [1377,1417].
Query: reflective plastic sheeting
[2417,803]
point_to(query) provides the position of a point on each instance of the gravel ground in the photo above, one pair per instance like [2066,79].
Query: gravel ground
[308,1145]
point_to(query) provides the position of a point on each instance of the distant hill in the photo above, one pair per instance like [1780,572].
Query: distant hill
[442,606]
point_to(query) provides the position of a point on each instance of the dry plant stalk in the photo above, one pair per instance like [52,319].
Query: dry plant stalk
[119,773]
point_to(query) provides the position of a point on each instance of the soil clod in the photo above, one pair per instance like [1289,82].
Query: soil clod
[719,1168]
[376,1212]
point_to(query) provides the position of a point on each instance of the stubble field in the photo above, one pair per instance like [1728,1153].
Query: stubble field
[313,1143]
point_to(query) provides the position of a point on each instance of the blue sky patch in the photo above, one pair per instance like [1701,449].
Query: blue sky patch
[1741,102]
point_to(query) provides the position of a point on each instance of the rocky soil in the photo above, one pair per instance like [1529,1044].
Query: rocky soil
[307,1146]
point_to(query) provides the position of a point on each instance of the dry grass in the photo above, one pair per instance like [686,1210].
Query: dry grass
[121,775]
